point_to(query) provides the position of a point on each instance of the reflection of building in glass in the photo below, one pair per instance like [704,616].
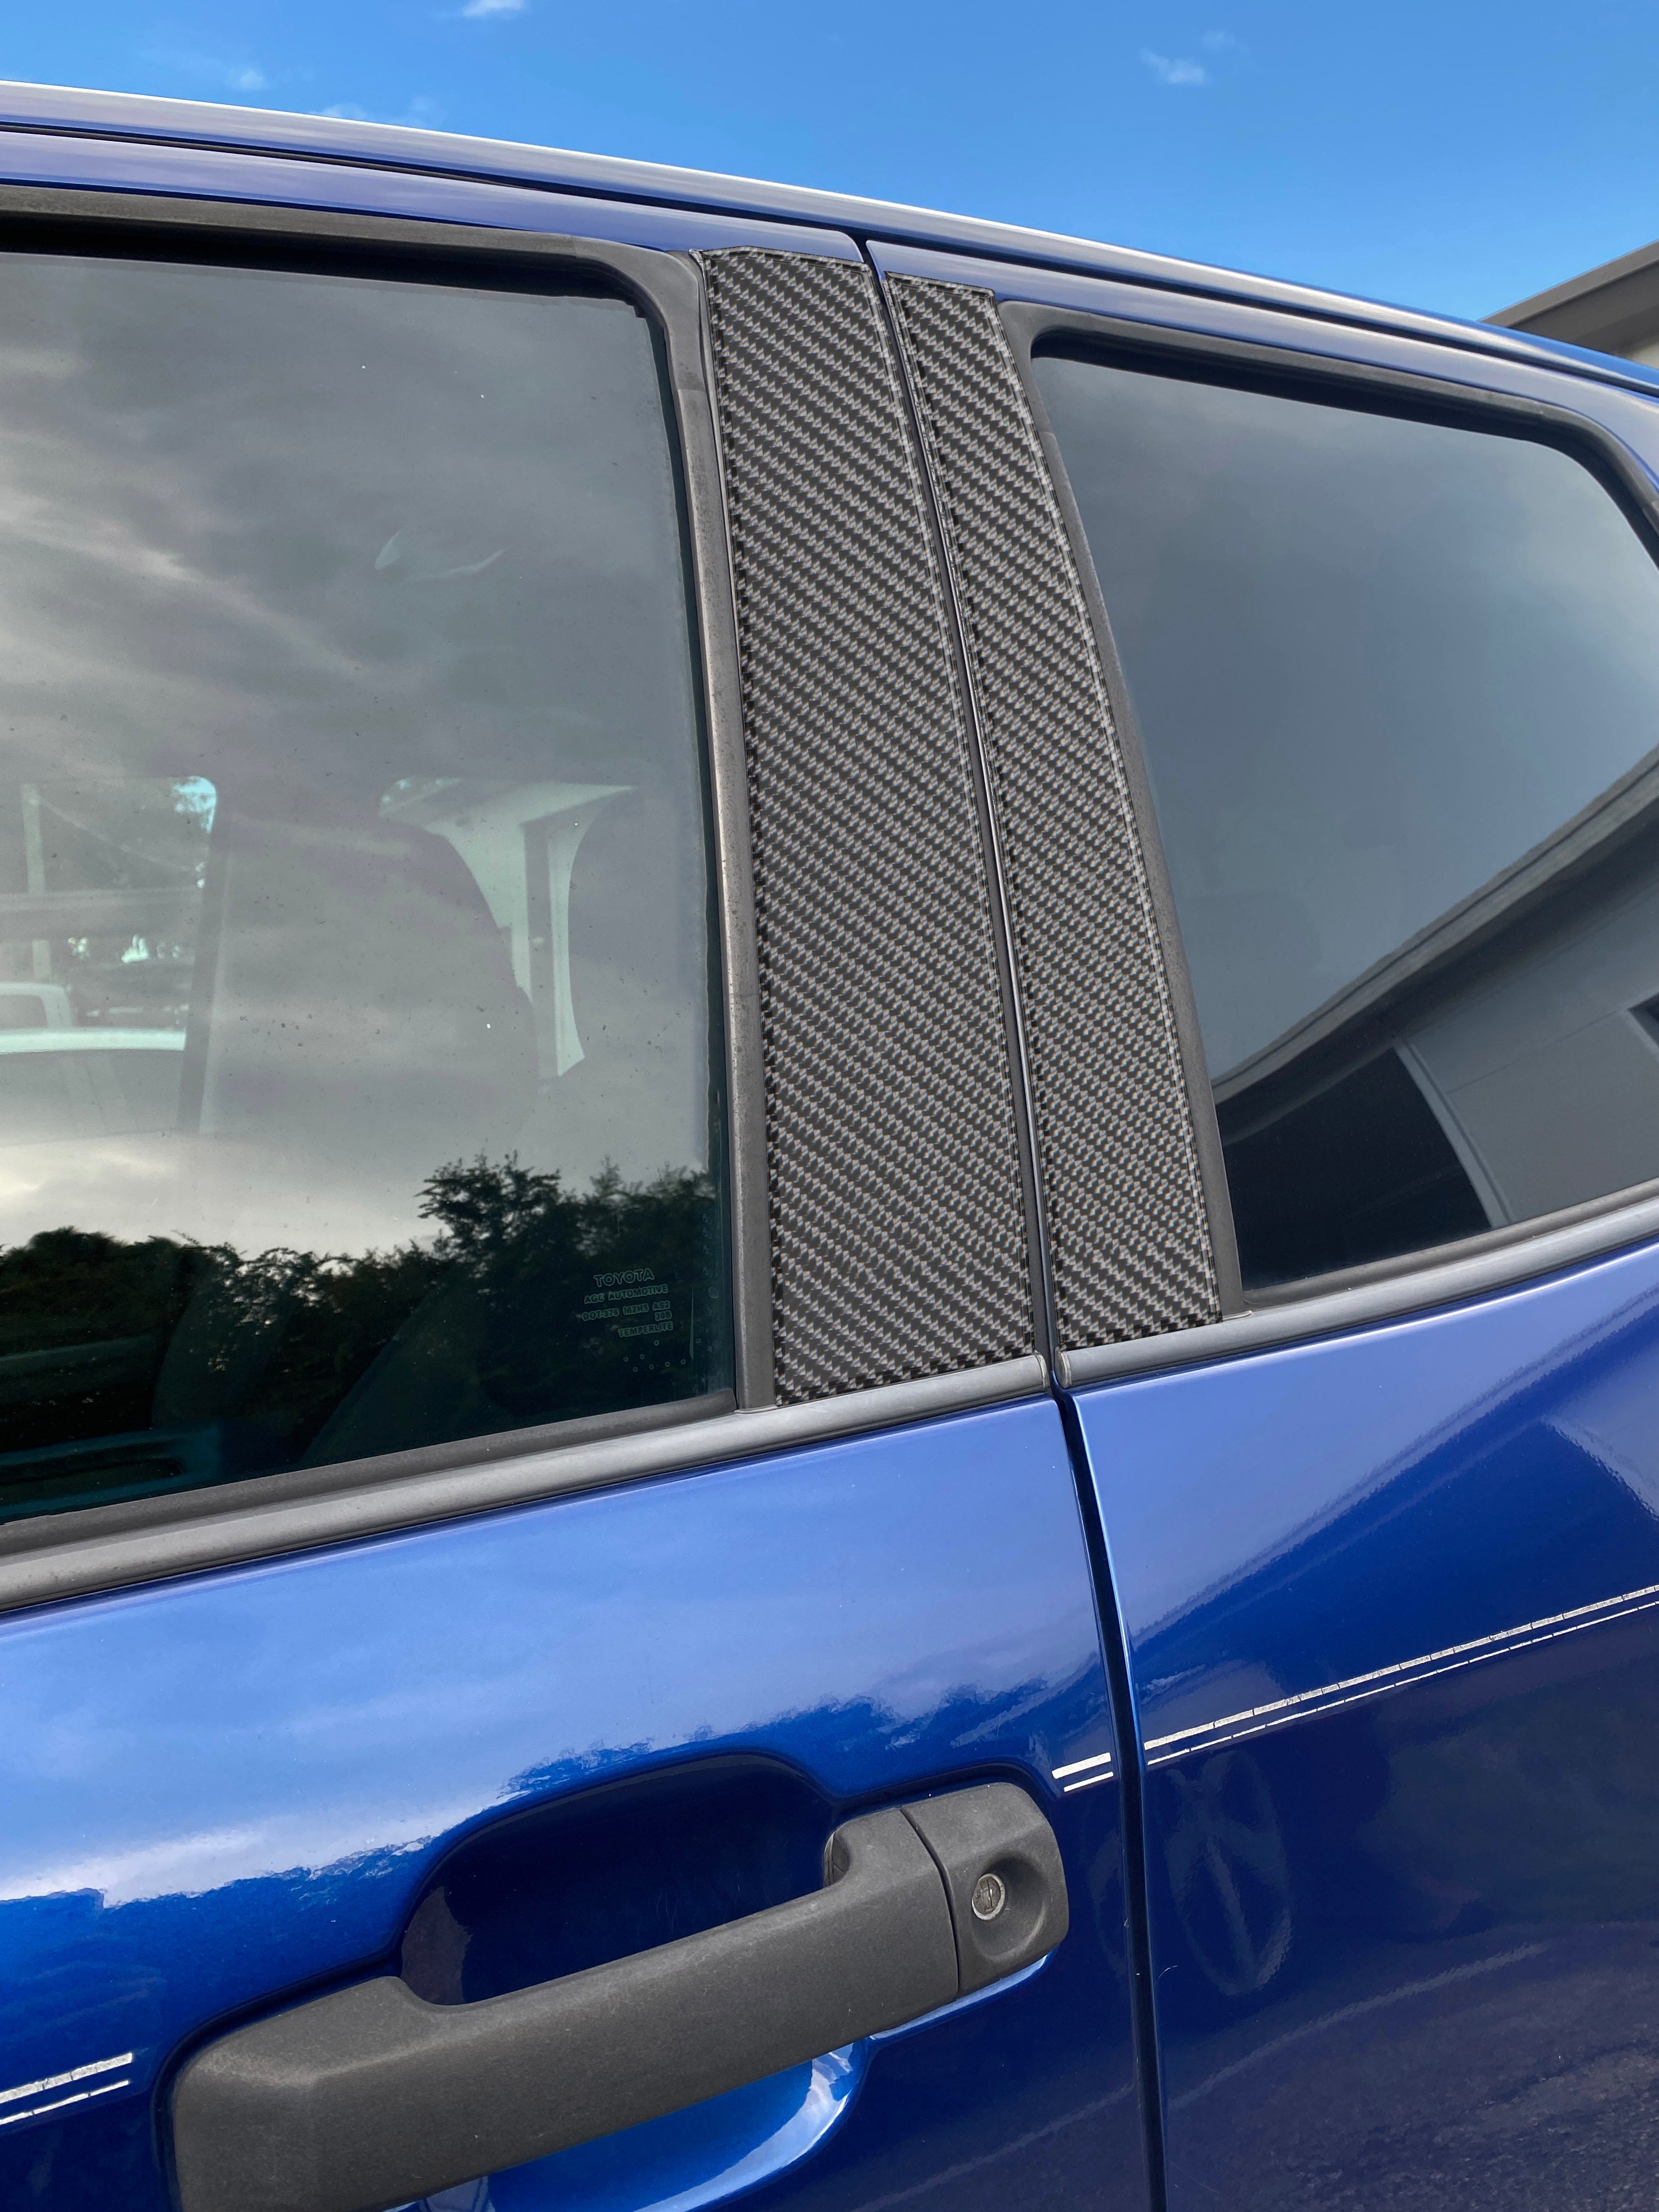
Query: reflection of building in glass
[100,896]
[1502,1064]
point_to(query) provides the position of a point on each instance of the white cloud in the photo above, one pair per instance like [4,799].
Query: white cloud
[421,114]
[476,8]
[210,69]
[1221,42]
[1173,70]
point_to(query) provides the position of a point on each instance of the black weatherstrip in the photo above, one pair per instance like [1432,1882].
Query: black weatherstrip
[1131,1774]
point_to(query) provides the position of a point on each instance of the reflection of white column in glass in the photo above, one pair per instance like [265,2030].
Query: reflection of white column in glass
[551,846]
[34,862]
[521,845]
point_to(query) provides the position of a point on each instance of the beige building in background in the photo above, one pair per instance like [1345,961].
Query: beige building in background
[1615,308]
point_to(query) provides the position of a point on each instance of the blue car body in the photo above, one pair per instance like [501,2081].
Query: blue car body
[1323,1631]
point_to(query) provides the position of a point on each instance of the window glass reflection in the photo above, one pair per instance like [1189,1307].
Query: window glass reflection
[1398,685]
[354,1068]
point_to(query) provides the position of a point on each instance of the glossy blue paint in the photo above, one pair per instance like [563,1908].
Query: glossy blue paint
[226,1791]
[185,124]
[1391,1603]
[726,2148]
[206,172]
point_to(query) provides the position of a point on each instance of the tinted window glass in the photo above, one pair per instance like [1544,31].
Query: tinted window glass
[1398,685]
[354,1068]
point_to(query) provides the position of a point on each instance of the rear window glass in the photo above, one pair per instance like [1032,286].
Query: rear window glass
[1398,686]
[357,1088]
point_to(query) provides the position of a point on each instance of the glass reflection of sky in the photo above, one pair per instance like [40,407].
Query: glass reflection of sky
[1374,660]
[310,538]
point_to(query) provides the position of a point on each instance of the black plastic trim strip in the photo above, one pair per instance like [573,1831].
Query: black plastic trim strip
[1413,1280]
[750,1230]
[188,1532]
[668,289]
[1391,1289]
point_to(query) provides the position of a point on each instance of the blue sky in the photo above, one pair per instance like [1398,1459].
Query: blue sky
[1452,156]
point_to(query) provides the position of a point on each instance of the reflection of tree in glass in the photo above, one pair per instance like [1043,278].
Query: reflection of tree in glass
[489,1328]
[531,1303]
[539,1259]
[84,1321]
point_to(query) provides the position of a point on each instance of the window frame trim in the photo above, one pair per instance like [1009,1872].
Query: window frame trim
[108,1545]
[1433,1276]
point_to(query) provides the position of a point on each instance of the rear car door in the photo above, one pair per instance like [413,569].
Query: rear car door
[523,1418]
[1377,624]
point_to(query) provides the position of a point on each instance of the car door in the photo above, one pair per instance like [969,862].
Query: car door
[1380,618]
[528,1425]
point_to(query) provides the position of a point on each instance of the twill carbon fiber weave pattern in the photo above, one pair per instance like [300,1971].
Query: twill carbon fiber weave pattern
[898,1236]
[1129,1241]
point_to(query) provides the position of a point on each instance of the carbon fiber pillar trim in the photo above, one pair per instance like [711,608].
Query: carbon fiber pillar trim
[897,1230]
[1129,1236]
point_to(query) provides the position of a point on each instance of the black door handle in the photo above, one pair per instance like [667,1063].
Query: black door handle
[371,2096]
